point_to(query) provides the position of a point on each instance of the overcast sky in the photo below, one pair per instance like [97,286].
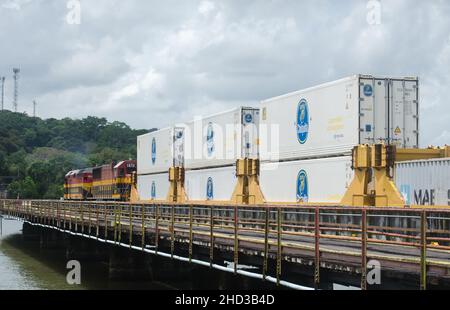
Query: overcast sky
[151,63]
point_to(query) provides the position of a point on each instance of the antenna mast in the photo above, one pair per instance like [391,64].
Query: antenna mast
[16,88]
[3,93]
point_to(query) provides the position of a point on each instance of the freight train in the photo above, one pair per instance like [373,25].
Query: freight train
[111,182]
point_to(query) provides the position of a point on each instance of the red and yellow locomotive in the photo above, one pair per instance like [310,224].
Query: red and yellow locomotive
[107,182]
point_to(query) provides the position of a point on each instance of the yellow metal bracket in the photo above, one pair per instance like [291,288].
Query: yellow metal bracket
[372,184]
[420,154]
[247,190]
[177,192]
[134,195]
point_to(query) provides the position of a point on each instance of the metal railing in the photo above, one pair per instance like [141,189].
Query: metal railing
[274,230]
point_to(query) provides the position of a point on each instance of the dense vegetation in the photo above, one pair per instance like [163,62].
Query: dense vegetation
[35,154]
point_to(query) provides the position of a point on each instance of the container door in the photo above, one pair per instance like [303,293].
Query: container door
[250,133]
[178,147]
[373,110]
[404,113]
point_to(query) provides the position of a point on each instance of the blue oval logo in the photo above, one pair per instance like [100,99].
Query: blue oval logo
[248,118]
[153,191]
[302,186]
[210,139]
[302,121]
[368,90]
[179,135]
[153,151]
[209,189]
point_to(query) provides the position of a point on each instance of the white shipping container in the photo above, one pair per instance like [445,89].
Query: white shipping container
[153,186]
[330,119]
[212,141]
[210,184]
[322,180]
[221,139]
[424,182]
[155,151]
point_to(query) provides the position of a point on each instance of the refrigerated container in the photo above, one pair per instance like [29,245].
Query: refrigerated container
[424,182]
[153,186]
[322,180]
[215,184]
[221,139]
[330,119]
[159,150]
[212,141]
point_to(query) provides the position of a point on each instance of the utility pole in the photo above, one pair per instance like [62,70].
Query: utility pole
[16,88]
[34,108]
[3,93]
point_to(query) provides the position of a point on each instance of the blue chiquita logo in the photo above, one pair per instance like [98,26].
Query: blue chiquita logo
[153,192]
[302,186]
[179,135]
[302,121]
[405,191]
[210,139]
[248,118]
[368,90]
[153,151]
[209,189]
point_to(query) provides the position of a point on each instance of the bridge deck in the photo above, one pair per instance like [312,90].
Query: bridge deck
[415,242]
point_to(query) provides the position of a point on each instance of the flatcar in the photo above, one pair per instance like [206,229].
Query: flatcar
[106,183]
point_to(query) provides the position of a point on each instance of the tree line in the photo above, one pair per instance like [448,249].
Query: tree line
[35,153]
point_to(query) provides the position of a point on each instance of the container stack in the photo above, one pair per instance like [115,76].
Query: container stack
[303,140]
[318,127]
[155,156]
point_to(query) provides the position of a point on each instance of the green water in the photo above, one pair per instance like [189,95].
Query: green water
[24,266]
[21,271]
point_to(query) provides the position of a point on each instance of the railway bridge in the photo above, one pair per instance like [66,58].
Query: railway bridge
[294,246]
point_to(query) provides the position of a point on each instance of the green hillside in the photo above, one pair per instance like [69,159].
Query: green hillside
[35,154]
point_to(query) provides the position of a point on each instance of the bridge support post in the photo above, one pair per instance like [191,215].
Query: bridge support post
[50,239]
[423,250]
[211,236]
[85,250]
[236,239]
[156,228]
[266,243]
[143,232]
[129,265]
[364,249]
[30,232]
[172,231]
[317,247]
[279,245]
[191,211]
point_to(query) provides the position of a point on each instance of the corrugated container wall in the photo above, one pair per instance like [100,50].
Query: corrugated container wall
[210,184]
[424,182]
[312,180]
[330,119]
[153,187]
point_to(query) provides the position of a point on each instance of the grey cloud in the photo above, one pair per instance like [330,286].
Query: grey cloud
[152,63]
